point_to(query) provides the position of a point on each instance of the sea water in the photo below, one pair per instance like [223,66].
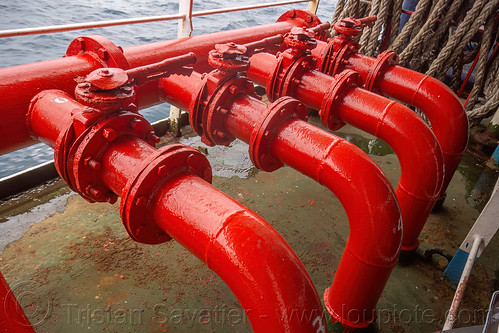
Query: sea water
[35,13]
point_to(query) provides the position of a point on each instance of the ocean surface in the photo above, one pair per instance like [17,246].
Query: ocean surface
[35,13]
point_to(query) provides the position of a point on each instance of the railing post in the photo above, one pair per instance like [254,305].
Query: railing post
[312,6]
[184,30]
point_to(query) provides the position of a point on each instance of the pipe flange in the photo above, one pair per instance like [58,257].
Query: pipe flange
[341,84]
[260,146]
[105,100]
[293,74]
[217,109]
[100,48]
[86,152]
[383,61]
[167,163]
[310,19]
[332,59]
[289,68]
[211,104]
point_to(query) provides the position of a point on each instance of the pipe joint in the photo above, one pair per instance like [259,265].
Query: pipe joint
[138,195]
[260,145]
[287,72]
[99,48]
[212,102]
[378,68]
[341,84]
[332,57]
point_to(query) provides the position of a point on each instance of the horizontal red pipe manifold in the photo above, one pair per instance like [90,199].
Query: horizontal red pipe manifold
[19,84]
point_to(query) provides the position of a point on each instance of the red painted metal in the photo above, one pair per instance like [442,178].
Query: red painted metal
[109,157]
[277,135]
[12,317]
[19,84]
[341,101]
[251,257]
[442,107]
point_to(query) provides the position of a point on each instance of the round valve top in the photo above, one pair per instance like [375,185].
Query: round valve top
[353,27]
[229,57]
[300,38]
[107,78]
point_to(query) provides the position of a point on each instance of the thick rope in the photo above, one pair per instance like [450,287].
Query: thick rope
[487,10]
[421,37]
[366,33]
[481,74]
[445,54]
[382,14]
[418,16]
[395,23]
[457,70]
[337,12]
[429,43]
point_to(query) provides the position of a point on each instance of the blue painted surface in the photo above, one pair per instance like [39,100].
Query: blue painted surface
[494,159]
[456,266]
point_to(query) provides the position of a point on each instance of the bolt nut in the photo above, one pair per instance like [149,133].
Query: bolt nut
[234,90]
[191,160]
[93,191]
[109,134]
[103,54]
[162,171]
[105,72]
[90,162]
[141,202]
[152,137]
[134,123]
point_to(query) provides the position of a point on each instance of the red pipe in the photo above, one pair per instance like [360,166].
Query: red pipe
[12,316]
[414,143]
[19,84]
[442,107]
[375,224]
[249,255]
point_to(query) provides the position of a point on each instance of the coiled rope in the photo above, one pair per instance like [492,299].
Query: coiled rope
[433,41]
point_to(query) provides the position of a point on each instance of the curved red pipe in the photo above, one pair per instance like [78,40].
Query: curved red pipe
[261,269]
[412,140]
[442,107]
[12,316]
[19,84]
[247,253]
[375,224]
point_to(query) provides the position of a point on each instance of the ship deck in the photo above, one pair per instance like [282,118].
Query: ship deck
[74,268]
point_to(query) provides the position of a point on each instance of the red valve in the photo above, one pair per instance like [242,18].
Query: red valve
[229,58]
[300,39]
[108,89]
[353,27]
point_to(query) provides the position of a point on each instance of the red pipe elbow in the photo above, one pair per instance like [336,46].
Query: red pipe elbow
[375,224]
[248,254]
[419,154]
[442,107]
[258,265]
[415,145]
[12,316]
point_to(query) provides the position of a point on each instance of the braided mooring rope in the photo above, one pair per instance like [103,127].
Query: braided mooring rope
[429,43]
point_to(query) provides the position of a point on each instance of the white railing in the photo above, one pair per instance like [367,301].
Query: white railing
[183,16]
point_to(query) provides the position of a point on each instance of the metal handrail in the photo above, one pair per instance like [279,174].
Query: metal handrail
[101,24]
